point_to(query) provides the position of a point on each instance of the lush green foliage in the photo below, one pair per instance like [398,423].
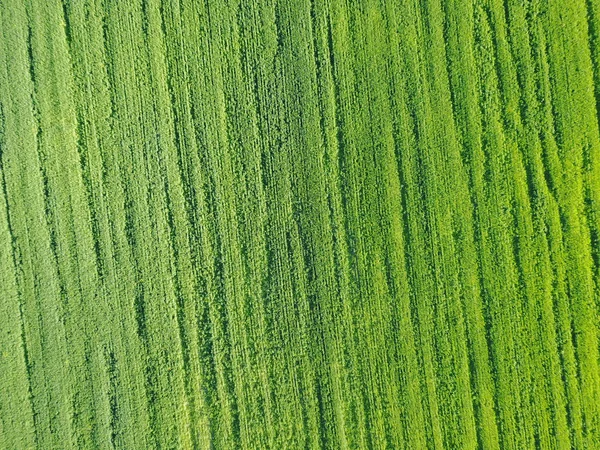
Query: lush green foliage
[299,224]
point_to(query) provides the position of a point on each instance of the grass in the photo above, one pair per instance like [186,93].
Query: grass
[299,224]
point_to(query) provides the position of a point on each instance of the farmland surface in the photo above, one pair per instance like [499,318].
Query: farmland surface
[299,224]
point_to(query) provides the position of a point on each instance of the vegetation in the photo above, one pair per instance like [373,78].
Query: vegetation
[299,224]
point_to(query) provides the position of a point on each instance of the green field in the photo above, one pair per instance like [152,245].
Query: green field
[299,224]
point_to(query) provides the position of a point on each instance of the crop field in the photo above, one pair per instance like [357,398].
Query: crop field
[299,224]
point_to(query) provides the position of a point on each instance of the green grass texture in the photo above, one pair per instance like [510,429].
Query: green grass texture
[299,224]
